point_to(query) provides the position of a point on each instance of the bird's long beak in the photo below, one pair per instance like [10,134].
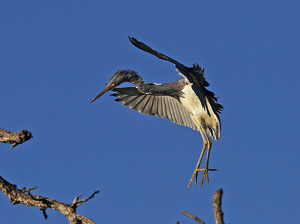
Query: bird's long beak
[107,88]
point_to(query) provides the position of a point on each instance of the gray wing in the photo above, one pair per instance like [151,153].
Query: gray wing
[195,75]
[160,106]
[148,49]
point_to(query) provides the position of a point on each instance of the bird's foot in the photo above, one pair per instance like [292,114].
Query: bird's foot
[205,174]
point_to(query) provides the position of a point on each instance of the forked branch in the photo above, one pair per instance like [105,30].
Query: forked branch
[217,202]
[24,196]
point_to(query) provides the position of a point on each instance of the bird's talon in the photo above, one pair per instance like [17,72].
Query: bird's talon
[212,169]
[205,174]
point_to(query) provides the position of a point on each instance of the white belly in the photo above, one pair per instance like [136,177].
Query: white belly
[192,104]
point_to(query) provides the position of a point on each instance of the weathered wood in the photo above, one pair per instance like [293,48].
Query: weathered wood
[24,196]
[14,138]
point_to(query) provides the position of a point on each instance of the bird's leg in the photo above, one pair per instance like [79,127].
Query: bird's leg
[207,161]
[199,161]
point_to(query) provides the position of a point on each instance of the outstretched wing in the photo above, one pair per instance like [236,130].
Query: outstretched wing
[160,106]
[195,75]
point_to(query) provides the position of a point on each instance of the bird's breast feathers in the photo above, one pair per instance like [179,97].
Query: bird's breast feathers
[192,104]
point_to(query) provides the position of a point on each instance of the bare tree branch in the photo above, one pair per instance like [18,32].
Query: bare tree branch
[14,138]
[217,202]
[25,197]
[76,203]
[193,217]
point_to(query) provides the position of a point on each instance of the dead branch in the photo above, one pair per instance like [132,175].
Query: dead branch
[193,217]
[217,202]
[76,203]
[14,138]
[24,196]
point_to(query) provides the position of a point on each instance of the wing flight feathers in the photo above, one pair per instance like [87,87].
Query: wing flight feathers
[160,106]
[194,75]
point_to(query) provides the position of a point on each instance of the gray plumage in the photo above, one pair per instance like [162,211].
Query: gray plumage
[159,105]
[185,102]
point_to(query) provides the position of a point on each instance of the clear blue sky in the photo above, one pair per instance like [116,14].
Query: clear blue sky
[55,56]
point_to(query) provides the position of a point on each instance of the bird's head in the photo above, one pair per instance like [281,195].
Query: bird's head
[117,79]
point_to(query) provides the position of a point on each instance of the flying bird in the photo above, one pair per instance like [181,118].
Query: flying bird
[185,102]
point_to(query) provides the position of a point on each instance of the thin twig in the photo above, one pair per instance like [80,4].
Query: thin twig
[193,217]
[28,189]
[76,203]
[44,212]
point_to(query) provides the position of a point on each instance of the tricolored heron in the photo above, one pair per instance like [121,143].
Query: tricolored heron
[186,101]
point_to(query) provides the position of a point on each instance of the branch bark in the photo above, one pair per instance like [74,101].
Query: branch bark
[24,196]
[193,217]
[14,138]
[217,202]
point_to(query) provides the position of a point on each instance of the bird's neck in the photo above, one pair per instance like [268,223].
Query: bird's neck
[140,85]
[132,76]
[138,82]
[135,79]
